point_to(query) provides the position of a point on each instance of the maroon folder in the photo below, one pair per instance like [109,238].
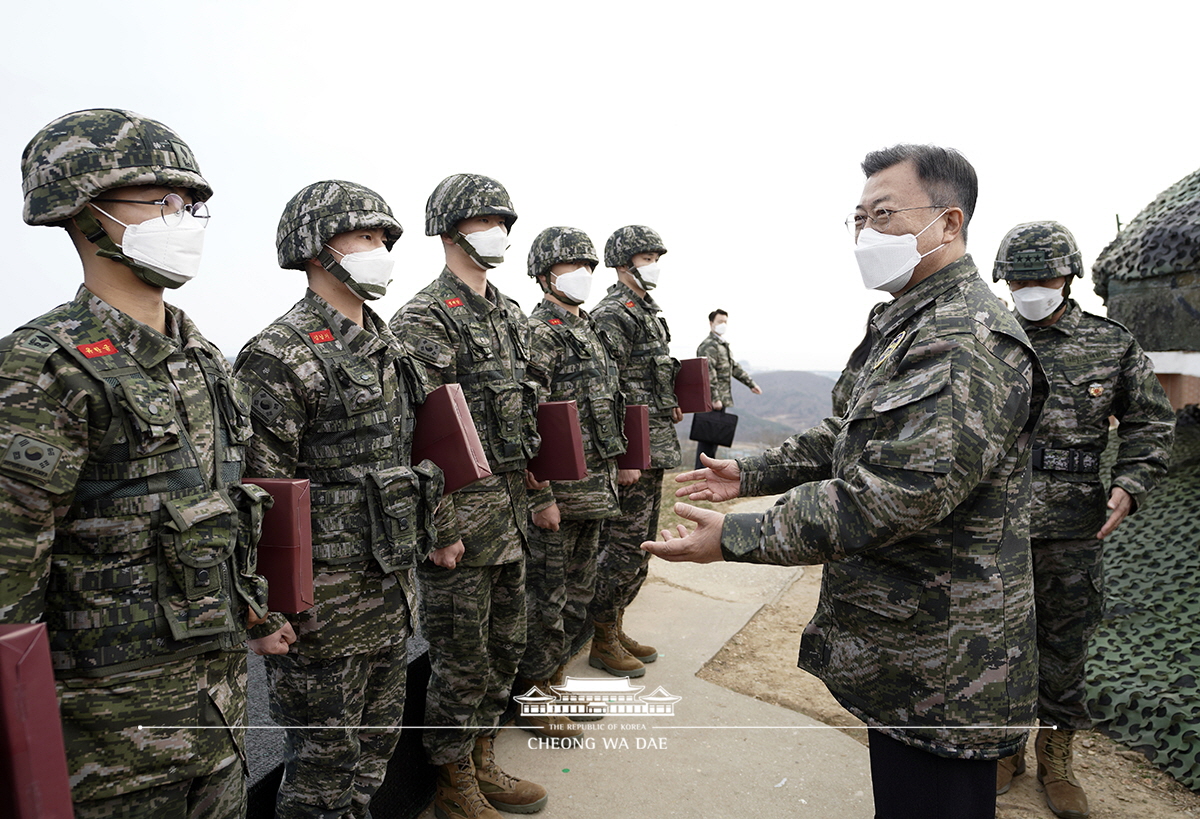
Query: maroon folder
[692,389]
[285,549]
[33,761]
[637,433]
[446,435]
[561,455]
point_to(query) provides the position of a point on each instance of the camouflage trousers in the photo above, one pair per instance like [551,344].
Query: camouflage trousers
[474,620]
[560,581]
[109,756]
[621,566]
[220,795]
[337,716]
[1068,586]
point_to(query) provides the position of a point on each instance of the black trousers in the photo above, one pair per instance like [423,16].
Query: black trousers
[912,784]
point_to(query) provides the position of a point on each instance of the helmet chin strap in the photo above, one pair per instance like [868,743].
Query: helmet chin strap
[331,265]
[95,233]
[460,239]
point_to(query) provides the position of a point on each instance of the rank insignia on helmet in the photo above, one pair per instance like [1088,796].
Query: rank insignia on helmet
[100,348]
[321,336]
[455,302]
[31,456]
[1095,390]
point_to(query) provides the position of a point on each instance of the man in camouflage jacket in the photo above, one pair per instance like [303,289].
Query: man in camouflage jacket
[916,501]
[1096,370]
[722,367]
[125,528]
[332,402]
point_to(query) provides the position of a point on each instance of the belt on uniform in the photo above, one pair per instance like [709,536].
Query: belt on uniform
[1065,460]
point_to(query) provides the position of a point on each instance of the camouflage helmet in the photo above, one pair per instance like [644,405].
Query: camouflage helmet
[627,242]
[560,244]
[1033,251]
[321,211]
[462,196]
[79,156]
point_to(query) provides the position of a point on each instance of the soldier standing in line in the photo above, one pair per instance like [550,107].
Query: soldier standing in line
[461,329]
[638,341]
[125,525]
[332,401]
[721,368]
[1096,370]
[568,362]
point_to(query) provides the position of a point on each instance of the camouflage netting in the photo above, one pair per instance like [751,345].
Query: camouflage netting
[1142,677]
[1162,240]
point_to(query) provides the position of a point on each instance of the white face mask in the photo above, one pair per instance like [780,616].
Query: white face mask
[1037,303]
[886,261]
[488,246]
[370,271]
[647,275]
[574,286]
[171,251]
[720,329]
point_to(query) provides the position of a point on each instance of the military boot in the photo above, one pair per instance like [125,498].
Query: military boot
[550,725]
[645,654]
[504,792]
[1064,795]
[1007,768]
[608,654]
[458,796]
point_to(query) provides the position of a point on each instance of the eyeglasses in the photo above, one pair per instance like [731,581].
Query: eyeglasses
[171,207]
[855,222]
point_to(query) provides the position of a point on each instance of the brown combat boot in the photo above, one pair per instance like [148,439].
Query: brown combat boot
[608,654]
[1064,795]
[550,725]
[645,654]
[1007,768]
[458,796]
[504,792]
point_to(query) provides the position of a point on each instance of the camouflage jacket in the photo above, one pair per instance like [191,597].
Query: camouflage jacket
[917,501]
[454,335]
[1096,369]
[124,528]
[638,341]
[331,402]
[568,363]
[722,367]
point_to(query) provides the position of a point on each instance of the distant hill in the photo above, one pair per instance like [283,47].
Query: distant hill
[792,401]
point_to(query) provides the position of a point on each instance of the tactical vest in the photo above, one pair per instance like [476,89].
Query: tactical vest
[502,404]
[592,382]
[367,501]
[152,562]
[649,377]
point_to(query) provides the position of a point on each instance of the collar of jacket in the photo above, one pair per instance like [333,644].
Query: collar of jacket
[373,334]
[145,345]
[1067,323]
[625,293]
[887,317]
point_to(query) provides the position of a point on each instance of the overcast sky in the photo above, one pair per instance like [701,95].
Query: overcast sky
[735,130]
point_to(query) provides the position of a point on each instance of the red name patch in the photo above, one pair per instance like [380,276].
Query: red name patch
[321,336]
[629,304]
[554,321]
[455,302]
[98,349]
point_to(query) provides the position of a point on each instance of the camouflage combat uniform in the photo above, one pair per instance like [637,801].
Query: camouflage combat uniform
[568,362]
[638,340]
[721,368]
[917,502]
[331,403]
[121,467]
[1096,369]
[474,615]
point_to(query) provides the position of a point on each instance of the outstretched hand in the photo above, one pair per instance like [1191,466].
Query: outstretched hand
[719,480]
[700,545]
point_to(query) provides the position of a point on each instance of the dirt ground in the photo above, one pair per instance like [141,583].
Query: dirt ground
[760,661]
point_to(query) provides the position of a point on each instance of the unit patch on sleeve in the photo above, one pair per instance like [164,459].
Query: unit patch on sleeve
[32,457]
[266,406]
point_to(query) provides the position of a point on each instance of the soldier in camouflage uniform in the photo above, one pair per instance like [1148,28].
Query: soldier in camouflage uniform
[568,362]
[722,367]
[638,340]
[916,501]
[332,401]
[1096,370]
[125,528]
[461,329]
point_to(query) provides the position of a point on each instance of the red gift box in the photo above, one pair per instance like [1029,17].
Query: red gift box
[560,457]
[285,549]
[446,435]
[637,433]
[692,389]
[33,761]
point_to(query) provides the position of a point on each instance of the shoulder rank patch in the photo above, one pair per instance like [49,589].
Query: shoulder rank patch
[554,321]
[31,457]
[321,336]
[40,342]
[100,348]
[454,302]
